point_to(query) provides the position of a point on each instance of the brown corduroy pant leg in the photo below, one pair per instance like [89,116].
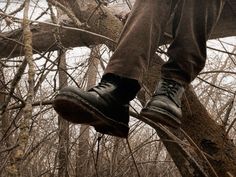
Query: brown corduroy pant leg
[192,25]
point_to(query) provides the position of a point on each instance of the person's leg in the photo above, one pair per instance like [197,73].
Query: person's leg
[106,106]
[139,39]
[193,22]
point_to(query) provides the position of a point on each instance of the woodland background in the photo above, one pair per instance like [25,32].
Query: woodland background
[46,45]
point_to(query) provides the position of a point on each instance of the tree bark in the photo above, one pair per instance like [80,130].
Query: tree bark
[63,125]
[5,123]
[211,139]
[102,23]
[83,148]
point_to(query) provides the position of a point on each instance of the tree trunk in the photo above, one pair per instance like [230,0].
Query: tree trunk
[102,23]
[5,123]
[211,139]
[115,156]
[83,151]
[63,125]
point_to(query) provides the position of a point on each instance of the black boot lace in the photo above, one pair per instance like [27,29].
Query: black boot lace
[168,88]
[100,86]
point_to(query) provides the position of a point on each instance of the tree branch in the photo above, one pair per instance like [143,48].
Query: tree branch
[106,33]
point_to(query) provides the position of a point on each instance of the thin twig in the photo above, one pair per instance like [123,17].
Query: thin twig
[218,50]
[63,27]
[213,85]
[217,71]
[132,156]
[67,12]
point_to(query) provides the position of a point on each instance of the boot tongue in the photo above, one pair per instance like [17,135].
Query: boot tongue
[171,89]
[126,89]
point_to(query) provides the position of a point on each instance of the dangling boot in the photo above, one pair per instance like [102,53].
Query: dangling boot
[165,105]
[105,106]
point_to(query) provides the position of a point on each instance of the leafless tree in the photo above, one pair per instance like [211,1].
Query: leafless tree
[40,53]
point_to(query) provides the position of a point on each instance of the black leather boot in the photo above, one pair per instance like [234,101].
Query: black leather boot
[105,106]
[165,105]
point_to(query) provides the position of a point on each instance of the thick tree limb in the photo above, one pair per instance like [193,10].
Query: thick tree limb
[107,25]
[211,139]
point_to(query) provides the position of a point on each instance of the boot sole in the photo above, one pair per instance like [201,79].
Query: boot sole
[75,109]
[161,116]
